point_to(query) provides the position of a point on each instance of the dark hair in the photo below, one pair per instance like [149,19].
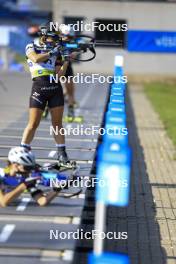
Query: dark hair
[8,163]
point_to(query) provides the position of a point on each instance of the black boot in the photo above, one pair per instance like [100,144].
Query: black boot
[62,156]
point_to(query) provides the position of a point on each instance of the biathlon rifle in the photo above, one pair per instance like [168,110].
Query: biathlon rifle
[82,44]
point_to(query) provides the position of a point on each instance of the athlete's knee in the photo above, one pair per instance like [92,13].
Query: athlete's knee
[57,122]
[57,125]
[32,125]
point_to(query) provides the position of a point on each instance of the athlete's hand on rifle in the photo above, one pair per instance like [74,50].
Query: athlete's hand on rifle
[66,55]
[31,182]
[67,49]
[70,56]
[55,51]
[73,55]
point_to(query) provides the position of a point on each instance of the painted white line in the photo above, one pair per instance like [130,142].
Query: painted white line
[23,204]
[51,139]
[45,259]
[52,153]
[54,160]
[6,233]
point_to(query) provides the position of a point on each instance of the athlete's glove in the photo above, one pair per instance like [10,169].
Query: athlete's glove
[56,189]
[31,182]
[66,55]
[54,52]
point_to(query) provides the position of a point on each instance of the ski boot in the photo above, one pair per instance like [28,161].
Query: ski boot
[70,115]
[70,118]
[63,160]
[71,112]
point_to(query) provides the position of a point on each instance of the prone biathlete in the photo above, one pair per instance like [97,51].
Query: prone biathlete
[42,56]
[20,163]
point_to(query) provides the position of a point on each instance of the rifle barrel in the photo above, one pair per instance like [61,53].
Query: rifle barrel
[108,44]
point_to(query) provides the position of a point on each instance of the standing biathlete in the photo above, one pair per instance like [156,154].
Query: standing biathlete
[42,57]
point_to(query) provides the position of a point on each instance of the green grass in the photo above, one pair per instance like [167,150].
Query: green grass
[163,98]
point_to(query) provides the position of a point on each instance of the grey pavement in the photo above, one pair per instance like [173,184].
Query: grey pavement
[150,218]
[28,241]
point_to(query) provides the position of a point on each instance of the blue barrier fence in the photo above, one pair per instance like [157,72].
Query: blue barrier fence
[113,167]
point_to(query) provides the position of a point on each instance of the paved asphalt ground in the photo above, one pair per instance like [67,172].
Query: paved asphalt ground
[24,235]
[150,218]
[151,215]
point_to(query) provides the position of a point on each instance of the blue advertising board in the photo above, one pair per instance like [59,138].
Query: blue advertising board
[151,41]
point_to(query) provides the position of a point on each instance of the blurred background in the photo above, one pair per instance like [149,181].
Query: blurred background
[149,50]
[148,45]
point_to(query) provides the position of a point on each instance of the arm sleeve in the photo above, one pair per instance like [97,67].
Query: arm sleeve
[29,48]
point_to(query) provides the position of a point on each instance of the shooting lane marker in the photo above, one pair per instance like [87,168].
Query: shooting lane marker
[68,255]
[81,196]
[22,206]
[6,233]
[76,220]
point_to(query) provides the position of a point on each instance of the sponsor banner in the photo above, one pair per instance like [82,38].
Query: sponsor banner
[151,41]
